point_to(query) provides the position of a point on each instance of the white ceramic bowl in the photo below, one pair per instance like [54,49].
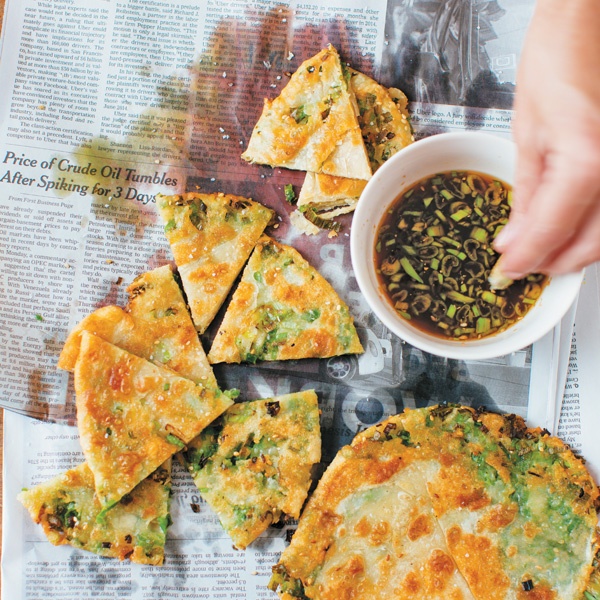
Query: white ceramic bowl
[446,152]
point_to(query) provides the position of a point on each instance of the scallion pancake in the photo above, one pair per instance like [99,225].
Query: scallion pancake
[253,464]
[211,237]
[517,510]
[283,309]
[155,325]
[135,528]
[133,415]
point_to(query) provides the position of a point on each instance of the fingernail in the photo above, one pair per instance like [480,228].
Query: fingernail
[503,272]
[514,275]
[504,238]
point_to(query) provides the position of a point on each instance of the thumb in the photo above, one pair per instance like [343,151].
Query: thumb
[528,174]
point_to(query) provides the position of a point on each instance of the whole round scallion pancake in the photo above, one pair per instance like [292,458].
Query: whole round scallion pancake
[446,503]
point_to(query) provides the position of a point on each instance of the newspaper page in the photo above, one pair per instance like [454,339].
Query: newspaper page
[580,411]
[200,560]
[165,102]
[109,102]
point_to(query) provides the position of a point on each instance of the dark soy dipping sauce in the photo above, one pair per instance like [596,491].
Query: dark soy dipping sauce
[433,256]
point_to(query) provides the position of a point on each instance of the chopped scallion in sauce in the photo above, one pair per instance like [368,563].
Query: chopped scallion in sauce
[433,255]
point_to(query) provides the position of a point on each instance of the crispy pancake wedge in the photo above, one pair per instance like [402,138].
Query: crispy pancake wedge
[517,510]
[253,464]
[312,125]
[133,415]
[329,196]
[383,118]
[211,237]
[385,128]
[155,325]
[283,309]
[135,528]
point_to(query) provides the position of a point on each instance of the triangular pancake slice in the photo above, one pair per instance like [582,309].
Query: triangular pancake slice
[385,128]
[155,325]
[312,125]
[283,309]
[254,463]
[383,118]
[329,196]
[133,415]
[135,528]
[211,237]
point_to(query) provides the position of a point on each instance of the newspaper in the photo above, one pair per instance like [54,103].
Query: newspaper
[106,103]
[580,411]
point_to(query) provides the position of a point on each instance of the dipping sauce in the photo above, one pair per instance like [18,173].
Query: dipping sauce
[433,257]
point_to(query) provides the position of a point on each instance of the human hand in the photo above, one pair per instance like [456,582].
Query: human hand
[555,218]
